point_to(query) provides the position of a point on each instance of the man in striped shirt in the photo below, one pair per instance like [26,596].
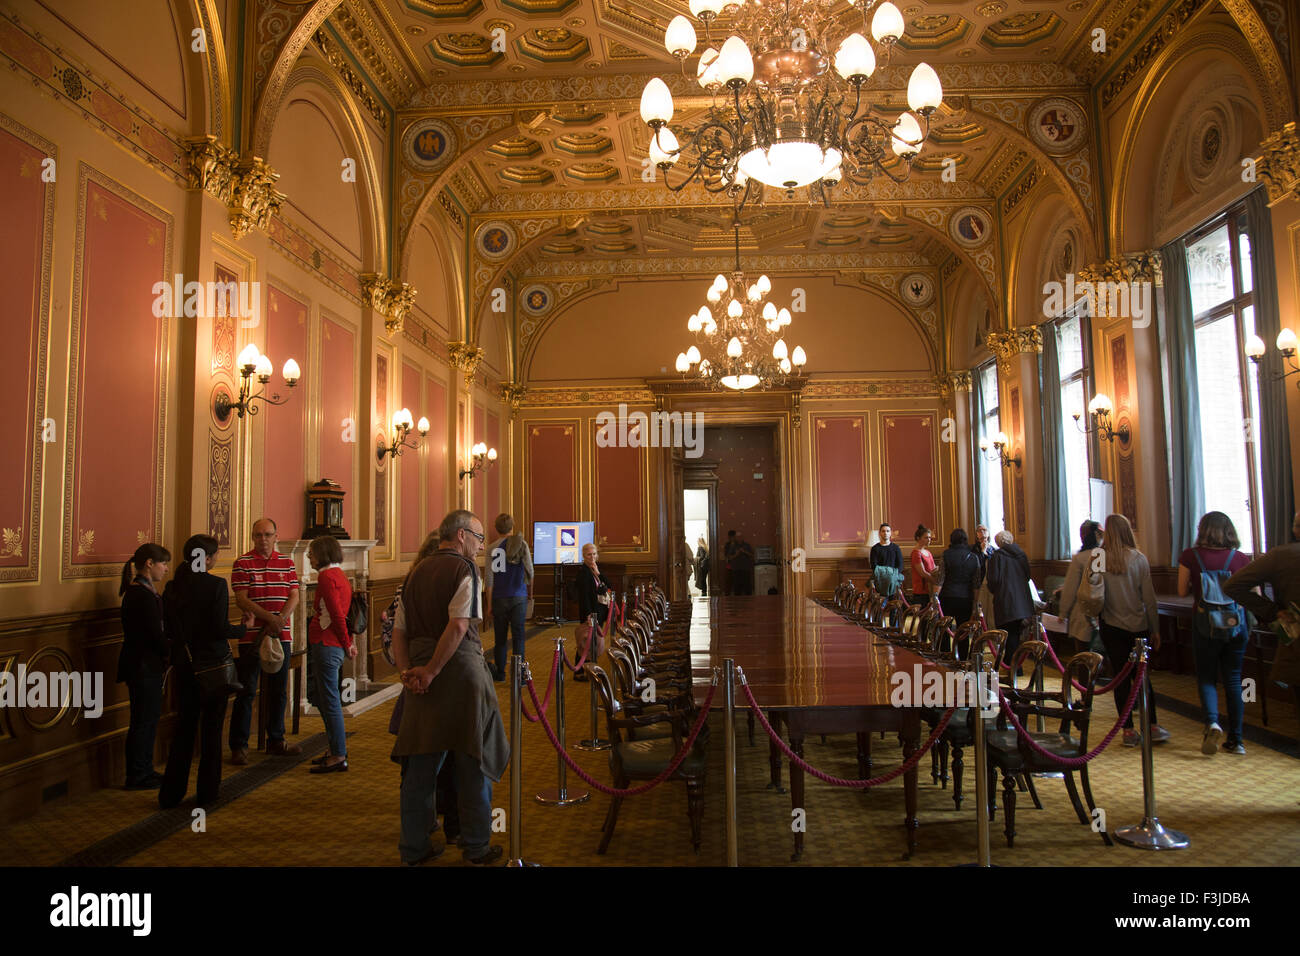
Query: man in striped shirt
[266,590]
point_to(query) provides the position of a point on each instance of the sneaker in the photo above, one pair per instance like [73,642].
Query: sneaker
[1131,737]
[1210,742]
[489,857]
[1234,747]
[1159,735]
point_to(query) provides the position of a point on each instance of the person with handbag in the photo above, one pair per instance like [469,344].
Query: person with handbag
[143,659]
[196,615]
[329,642]
[1081,626]
[702,567]
[509,592]
[594,596]
[1220,626]
[266,586]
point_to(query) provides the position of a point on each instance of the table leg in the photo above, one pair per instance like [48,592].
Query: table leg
[774,755]
[911,735]
[864,756]
[796,793]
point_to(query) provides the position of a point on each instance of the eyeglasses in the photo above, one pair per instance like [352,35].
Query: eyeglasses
[475,534]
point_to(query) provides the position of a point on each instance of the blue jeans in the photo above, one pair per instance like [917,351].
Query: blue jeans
[249,667]
[1215,658]
[508,614]
[326,661]
[419,784]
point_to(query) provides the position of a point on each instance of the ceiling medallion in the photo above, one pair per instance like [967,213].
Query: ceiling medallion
[1057,125]
[743,348]
[970,227]
[788,109]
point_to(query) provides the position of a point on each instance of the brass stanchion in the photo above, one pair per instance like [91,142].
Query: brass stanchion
[560,796]
[596,741]
[729,734]
[985,693]
[517,668]
[1149,834]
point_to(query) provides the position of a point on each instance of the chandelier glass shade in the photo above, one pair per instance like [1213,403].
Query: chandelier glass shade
[788,107]
[740,336]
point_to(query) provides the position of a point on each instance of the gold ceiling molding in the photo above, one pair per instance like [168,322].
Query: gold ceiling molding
[366,41]
[1279,164]
[465,358]
[1168,28]
[1012,199]
[871,388]
[679,266]
[393,300]
[352,78]
[555,397]
[1120,21]
[246,187]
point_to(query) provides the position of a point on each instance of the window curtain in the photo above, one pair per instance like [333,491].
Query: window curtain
[1273,432]
[1182,402]
[1056,492]
[977,430]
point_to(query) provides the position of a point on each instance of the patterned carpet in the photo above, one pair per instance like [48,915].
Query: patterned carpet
[1238,811]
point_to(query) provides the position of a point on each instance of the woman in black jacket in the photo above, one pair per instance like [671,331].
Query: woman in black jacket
[143,660]
[594,595]
[962,574]
[196,605]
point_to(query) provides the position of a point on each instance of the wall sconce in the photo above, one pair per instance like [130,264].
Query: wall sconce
[1099,410]
[401,428]
[251,362]
[1000,444]
[1286,344]
[481,457]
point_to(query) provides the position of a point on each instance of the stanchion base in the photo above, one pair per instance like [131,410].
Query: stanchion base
[562,798]
[517,864]
[1049,774]
[598,744]
[1150,835]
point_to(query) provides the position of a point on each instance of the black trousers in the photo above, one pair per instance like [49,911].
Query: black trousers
[1119,645]
[146,707]
[204,718]
[957,608]
[702,579]
[743,580]
[1013,629]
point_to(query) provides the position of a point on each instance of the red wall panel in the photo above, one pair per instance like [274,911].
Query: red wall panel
[620,495]
[408,467]
[381,478]
[910,474]
[285,453]
[745,503]
[438,448]
[839,479]
[119,361]
[339,438]
[551,470]
[23,243]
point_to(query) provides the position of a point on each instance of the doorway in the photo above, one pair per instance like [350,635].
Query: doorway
[749,503]
[697,510]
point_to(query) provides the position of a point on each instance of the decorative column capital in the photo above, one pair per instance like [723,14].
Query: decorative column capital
[1029,338]
[253,197]
[210,166]
[512,393]
[1279,164]
[465,358]
[949,383]
[392,300]
[1005,346]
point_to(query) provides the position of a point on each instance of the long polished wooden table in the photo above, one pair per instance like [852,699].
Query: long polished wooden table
[812,671]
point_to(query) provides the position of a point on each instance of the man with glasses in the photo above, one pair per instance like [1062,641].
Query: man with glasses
[449,703]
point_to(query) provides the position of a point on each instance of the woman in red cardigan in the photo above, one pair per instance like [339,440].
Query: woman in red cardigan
[329,640]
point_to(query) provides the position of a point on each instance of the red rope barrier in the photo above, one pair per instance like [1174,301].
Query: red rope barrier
[546,702]
[587,778]
[841,781]
[1105,688]
[1075,763]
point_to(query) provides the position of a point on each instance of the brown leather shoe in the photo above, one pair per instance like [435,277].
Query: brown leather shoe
[282,748]
[239,757]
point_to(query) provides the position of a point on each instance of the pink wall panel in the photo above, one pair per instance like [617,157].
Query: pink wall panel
[839,479]
[478,484]
[285,452]
[438,449]
[492,435]
[910,475]
[23,242]
[408,467]
[339,438]
[550,470]
[620,496]
[119,363]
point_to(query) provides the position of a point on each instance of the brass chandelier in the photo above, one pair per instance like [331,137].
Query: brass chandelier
[788,109]
[743,347]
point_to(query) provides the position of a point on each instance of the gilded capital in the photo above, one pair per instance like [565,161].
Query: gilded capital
[1279,164]
[512,393]
[1119,287]
[465,358]
[1029,338]
[400,300]
[253,197]
[1004,346]
[210,166]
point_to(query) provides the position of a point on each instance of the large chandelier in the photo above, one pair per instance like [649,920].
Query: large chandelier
[743,347]
[788,109]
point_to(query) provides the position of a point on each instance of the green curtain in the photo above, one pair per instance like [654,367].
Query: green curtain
[1182,402]
[1272,432]
[1056,492]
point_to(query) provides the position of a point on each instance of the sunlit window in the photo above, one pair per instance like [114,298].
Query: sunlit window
[1072,335]
[992,510]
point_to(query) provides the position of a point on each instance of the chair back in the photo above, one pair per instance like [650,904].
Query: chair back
[608,702]
[991,643]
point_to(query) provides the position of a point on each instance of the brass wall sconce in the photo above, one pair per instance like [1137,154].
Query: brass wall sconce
[251,362]
[1100,411]
[481,457]
[1000,444]
[402,425]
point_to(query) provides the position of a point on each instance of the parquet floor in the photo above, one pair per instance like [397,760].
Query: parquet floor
[1238,811]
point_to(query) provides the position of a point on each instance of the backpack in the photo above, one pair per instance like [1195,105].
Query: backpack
[1092,594]
[358,614]
[1217,616]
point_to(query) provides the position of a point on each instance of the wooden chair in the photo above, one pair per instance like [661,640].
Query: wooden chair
[1012,755]
[960,732]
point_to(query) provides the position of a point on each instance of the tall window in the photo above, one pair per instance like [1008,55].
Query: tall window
[1219,273]
[1072,345]
[991,507]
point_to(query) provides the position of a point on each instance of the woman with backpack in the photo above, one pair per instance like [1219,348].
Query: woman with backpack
[329,642]
[1219,626]
[1128,611]
[1081,626]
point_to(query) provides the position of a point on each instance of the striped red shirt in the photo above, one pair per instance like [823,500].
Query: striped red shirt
[267,582]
